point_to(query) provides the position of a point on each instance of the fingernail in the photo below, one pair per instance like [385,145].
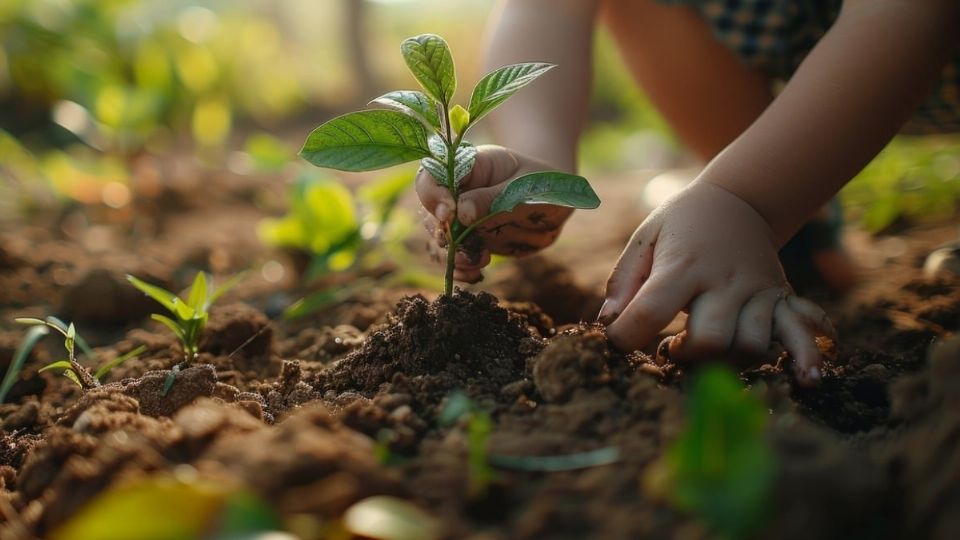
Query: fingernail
[608,312]
[468,212]
[814,373]
[443,212]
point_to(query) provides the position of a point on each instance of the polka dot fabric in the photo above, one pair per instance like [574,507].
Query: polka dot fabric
[776,35]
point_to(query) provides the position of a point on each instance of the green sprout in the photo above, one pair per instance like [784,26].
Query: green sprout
[72,368]
[721,468]
[424,126]
[190,315]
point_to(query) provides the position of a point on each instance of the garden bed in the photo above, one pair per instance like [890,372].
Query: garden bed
[316,415]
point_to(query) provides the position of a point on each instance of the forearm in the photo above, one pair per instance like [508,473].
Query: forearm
[544,120]
[847,100]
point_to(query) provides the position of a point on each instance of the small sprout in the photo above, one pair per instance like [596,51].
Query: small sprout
[721,468]
[34,335]
[425,126]
[72,369]
[569,462]
[382,517]
[189,316]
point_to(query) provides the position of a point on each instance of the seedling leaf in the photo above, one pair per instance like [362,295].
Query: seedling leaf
[73,377]
[29,320]
[70,338]
[223,288]
[169,323]
[105,369]
[553,187]
[33,335]
[78,339]
[60,364]
[430,61]
[166,298]
[459,119]
[498,85]
[412,103]
[436,169]
[198,293]
[464,161]
[366,140]
[388,518]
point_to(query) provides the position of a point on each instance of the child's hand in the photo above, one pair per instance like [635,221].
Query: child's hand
[529,228]
[710,253]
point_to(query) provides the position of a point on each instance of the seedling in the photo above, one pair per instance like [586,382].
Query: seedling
[72,369]
[424,126]
[721,468]
[190,315]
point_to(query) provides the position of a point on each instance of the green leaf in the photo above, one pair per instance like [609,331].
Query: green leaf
[105,369]
[412,103]
[166,298]
[223,288]
[198,293]
[169,323]
[33,335]
[183,311]
[464,161]
[78,339]
[459,119]
[60,364]
[556,188]
[70,339]
[29,321]
[382,517]
[436,169]
[498,85]
[57,324]
[430,61]
[73,377]
[366,140]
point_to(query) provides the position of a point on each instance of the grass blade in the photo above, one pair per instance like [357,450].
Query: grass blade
[582,460]
[198,293]
[105,369]
[34,334]
[166,298]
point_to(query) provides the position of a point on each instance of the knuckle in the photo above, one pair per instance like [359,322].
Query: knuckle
[710,339]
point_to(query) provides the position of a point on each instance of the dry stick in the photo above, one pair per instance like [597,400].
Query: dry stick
[247,342]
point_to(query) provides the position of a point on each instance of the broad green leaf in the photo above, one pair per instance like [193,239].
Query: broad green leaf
[382,517]
[498,85]
[459,119]
[169,323]
[224,288]
[198,293]
[556,188]
[412,103]
[166,298]
[105,369]
[366,140]
[430,61]
[60,364]
[33,335]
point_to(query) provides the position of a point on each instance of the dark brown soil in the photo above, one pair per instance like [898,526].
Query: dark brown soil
[318,414]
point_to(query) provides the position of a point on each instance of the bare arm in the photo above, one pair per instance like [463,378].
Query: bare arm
[847,100]
[545,120]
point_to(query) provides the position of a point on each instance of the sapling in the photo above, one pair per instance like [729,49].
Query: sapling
[426,126]
[189,316]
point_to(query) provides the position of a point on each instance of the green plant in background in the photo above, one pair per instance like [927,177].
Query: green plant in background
[72,369]
[479,427]
[721,468]
[189,316]
[424,126]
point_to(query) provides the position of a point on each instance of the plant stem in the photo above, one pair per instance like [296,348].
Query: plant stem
[452,186]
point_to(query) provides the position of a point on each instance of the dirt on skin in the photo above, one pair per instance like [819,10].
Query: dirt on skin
[318,414]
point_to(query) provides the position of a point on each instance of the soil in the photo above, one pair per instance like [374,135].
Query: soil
[317,414]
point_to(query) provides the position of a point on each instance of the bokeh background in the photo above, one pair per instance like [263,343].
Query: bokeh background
[90,89]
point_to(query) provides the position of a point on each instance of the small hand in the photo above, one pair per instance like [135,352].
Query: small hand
[710,253]
[525,230]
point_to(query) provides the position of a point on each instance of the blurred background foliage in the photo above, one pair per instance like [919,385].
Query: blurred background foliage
[89,86]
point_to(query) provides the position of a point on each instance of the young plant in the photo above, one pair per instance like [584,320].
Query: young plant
[190,315]
[72,369]
[424,126]
[721,468]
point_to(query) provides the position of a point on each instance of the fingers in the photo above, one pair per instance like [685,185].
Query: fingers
[654,306]
[755,323]
[628,275]
[711,325]
[790,329]
[434,198]
[475,203]
[494,165]
[812,315]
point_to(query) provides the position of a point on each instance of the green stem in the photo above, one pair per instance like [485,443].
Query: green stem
[452,186]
